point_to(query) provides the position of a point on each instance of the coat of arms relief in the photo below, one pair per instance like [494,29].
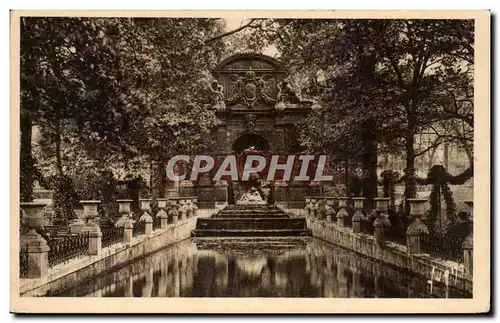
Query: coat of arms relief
[249,89]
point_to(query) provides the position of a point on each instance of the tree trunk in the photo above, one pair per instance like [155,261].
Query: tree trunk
[26,163]
[410,185]
[160,180]
[346,175]
[58,149]
[446,153]
[369,161]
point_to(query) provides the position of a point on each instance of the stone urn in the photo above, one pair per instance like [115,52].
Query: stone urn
[77,225]
[145,208]
[162,206]
[32,217]
[91,215]
[417,229]
[124,210]
[382,204]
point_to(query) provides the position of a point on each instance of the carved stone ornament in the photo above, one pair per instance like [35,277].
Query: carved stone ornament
[250,120]
[250,89]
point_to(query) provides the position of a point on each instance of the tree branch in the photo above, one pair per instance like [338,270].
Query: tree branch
[234,31]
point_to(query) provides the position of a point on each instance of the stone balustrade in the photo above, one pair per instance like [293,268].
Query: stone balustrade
[415,232]
[35,248]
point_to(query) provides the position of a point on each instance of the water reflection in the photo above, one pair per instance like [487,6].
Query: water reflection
[286,267]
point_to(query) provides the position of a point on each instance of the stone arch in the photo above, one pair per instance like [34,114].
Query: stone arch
[256,61]
[248,140]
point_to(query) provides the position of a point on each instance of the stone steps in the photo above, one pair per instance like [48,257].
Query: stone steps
[250,233]
[249,215]
[251,224]
[250,221]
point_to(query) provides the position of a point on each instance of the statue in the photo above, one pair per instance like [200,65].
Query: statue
[286,95]
[251,197]
[217,91]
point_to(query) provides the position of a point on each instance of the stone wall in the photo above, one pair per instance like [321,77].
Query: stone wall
[436,270]
[65,275]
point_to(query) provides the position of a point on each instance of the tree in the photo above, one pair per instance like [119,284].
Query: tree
[106,91]
[395,74]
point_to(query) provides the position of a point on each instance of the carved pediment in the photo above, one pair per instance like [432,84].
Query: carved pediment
[254,81]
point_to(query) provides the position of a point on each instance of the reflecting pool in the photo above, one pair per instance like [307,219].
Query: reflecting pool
[264,267]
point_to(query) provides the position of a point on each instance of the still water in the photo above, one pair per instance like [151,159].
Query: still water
[277,267]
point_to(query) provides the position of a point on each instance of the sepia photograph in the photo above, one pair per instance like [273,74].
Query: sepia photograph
[250,162]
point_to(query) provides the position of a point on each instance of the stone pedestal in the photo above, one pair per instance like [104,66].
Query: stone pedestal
[380,226]
[314,208]
[182,209]
[381,222]
[148,224]
[164,221]
[38,249]
[417,229]
[307,208]
[468,247]
[330,213]
[358,216]
[95,242]
[195,206]
[173,214]
[162,214]
[38,254]
[189,208]
[342,213]
[128,228]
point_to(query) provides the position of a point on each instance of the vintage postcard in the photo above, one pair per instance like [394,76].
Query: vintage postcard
[250,162]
